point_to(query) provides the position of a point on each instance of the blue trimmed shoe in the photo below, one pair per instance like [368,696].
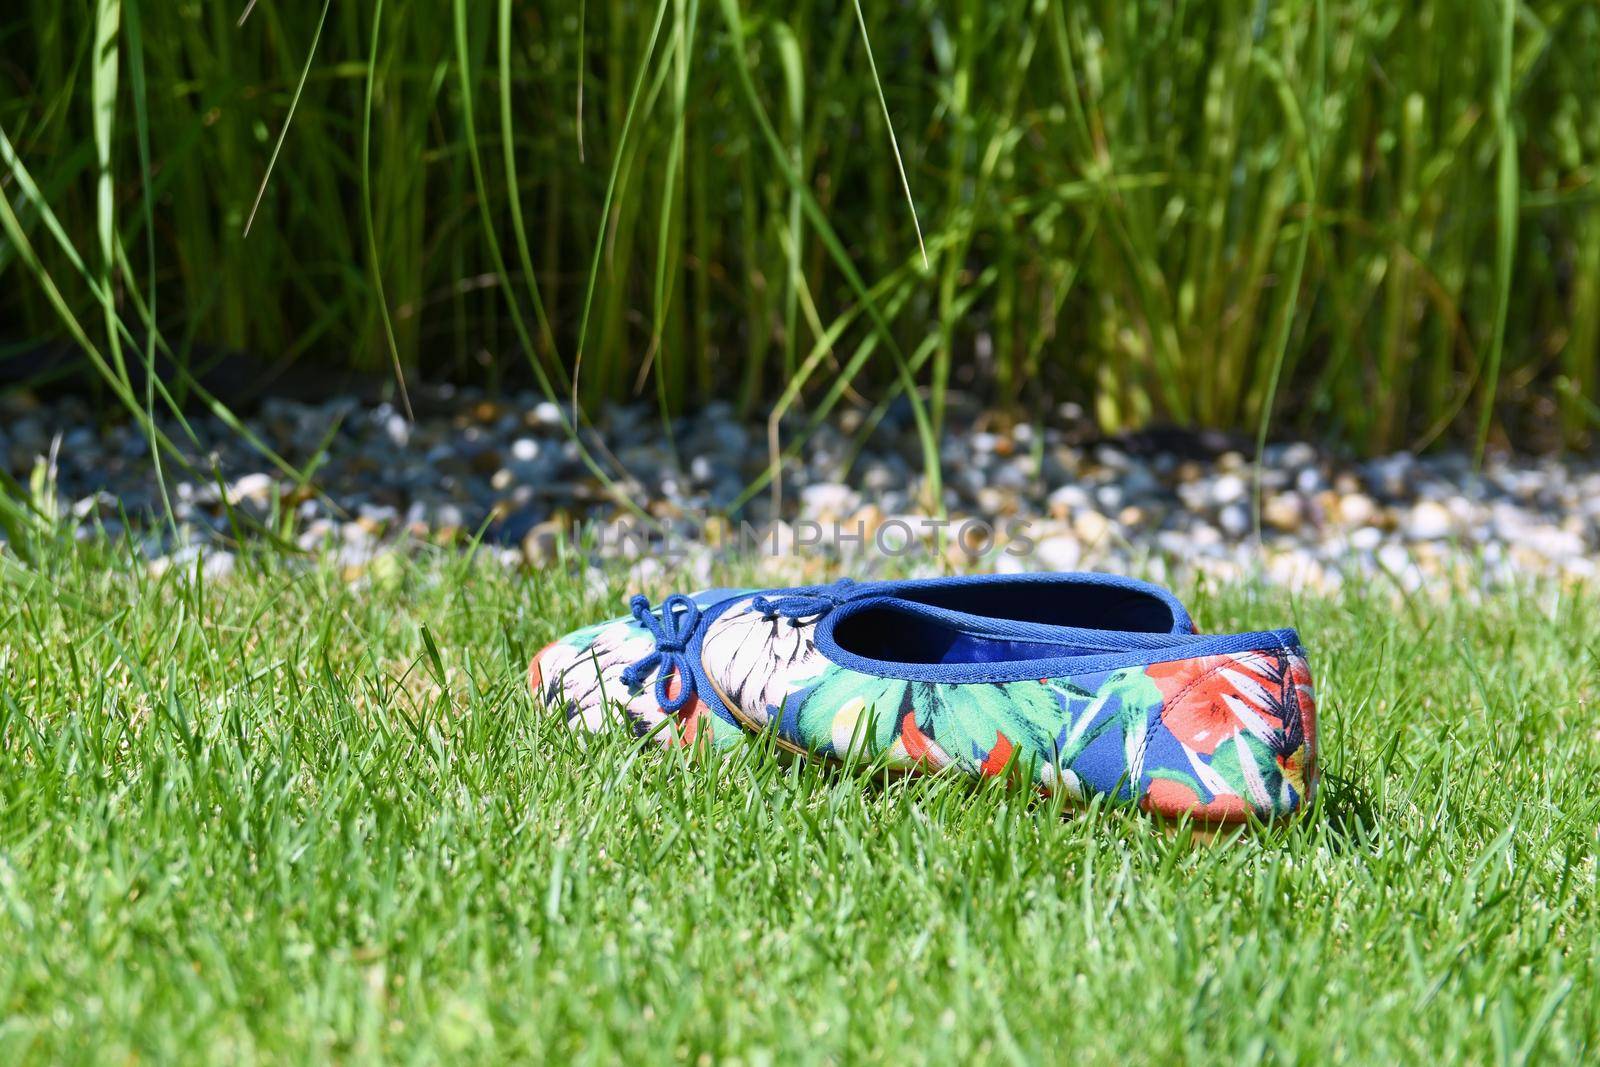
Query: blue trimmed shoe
[630,665]
[906,675]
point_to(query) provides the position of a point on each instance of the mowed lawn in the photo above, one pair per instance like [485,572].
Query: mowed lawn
[285,816]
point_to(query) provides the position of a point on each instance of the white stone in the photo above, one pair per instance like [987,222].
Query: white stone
[828,500]
[1366,539]
[1228,489]
[1058,552]
[1429,521]
[1091,527]
[255,488]
[1282,512]
[397,430]
[1067,499]
[1357,509]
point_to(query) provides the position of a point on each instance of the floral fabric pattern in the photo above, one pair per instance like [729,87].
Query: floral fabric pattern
[581,674]
[1221,738]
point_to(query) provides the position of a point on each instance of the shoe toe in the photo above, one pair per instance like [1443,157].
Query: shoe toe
[581,675]
[536,672]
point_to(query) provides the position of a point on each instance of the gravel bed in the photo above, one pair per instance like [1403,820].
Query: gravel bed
[1018,496]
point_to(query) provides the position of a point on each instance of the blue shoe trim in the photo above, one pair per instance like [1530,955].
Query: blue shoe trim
[1117,646]
[807,598]
[1060,582]
[1137,649]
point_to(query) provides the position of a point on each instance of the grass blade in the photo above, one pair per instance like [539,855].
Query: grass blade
[894,142]
[508,146]
[366,213]
[288,120]
[609,198]
[1506,193]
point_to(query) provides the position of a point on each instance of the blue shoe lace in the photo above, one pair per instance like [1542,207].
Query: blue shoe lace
[673,626]
[797,606]
[672,630]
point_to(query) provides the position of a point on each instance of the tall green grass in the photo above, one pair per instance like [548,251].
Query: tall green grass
[1368,220]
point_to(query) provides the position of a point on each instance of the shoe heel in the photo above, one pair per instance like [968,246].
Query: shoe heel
[1236,739]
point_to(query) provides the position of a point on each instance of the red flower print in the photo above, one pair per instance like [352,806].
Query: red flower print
[688,717]
[1166,797]
[1209,700]
[1306,700]
[917,745]
[1300,766]
[1173,800]
[536,673]
[998,757]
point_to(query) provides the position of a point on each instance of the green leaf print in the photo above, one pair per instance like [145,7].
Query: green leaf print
[843,702]
[1133,693]
[1137,695]
[968,720]
[581,639]
[1250,770]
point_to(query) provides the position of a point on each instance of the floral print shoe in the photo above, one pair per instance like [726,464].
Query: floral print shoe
[635,670]
[589,674]
[1220,729]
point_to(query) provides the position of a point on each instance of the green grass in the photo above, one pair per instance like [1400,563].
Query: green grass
[285,817]
[1334,216]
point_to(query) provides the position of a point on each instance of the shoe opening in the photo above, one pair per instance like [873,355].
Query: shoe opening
[1083,604]
[896,635]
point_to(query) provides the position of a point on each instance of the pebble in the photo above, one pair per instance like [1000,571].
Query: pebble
[1234,520]
[1282,512]
[1366,539]
[253,488]
[1091,527]
[1228,489]
[828,500]
[1059,552]
[1067,499]
[1357,509]
[1429,521]
[506,466]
